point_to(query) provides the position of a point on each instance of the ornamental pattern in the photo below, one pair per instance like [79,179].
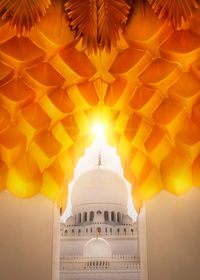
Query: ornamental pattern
[147,91]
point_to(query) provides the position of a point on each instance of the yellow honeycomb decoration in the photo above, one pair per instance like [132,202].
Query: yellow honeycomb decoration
[146,91]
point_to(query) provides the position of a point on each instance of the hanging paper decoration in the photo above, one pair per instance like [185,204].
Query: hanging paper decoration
[83,20]
[177,12]
[23,14]
[98,22]
[112,16]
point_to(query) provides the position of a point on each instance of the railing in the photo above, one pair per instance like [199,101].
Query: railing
[114,257]
[78,263]
[64,235]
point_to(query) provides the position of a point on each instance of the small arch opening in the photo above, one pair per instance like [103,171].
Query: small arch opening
[118,217]
[91,216]
[112,216]
[106,217]
[79,218]
[85,217]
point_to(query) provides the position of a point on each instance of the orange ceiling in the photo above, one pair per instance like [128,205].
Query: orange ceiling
[146,90]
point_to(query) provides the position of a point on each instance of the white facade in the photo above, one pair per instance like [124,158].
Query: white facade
[99,240]
[29,238]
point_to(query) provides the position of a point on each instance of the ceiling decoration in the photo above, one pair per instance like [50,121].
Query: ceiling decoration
[177,12]
[146,91]
[98,22]
[23,14]
[83,19]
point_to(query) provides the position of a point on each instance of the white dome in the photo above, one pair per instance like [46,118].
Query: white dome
[70,221]
[127,220]
[99,185]
[97,248]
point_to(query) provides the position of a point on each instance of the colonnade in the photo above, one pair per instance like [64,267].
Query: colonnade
[109,216]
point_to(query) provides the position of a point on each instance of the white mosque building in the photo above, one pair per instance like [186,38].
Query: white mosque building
[100,239]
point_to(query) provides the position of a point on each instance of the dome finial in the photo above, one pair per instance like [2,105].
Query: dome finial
[97,233]
[99,161]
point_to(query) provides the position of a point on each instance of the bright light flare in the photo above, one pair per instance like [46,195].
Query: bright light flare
[98,129]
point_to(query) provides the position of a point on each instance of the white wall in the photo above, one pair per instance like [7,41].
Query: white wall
[142,243]
[172,236]
[29,232]
[74,247]
[56,244]
[101,276]
[123,246]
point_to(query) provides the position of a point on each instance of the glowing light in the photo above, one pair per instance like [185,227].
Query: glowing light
[98,129]
[110,159]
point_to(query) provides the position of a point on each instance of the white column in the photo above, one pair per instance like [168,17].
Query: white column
[29,238]
[169,232]
[109,216]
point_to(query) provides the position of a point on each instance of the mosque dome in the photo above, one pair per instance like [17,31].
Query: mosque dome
[99,185]
[127,220]
[70,221]
[97,248]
